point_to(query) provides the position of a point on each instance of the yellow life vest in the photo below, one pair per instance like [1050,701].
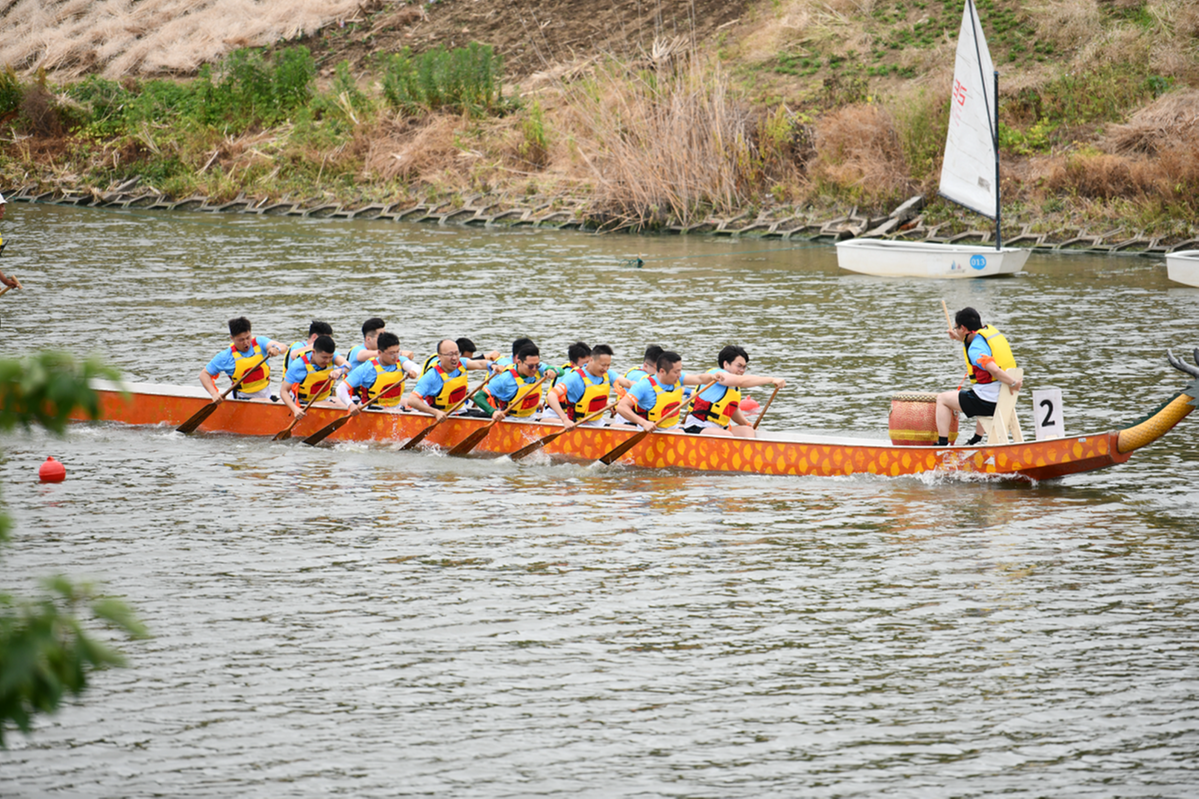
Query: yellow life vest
[255,364]
[1000,351]
[719,411]
[453,389]
[389,384]
[595,396]
[429,363]
[665,402]
[317,380]
[293,353]
[526,403]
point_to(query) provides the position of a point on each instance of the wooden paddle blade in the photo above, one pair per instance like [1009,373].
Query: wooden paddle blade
[529,449]
[284,434]
[197,418]
[468,443]
[327,430]
[621,449]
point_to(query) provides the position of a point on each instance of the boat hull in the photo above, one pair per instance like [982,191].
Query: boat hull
[1183,267]
[884,258]
[775,454]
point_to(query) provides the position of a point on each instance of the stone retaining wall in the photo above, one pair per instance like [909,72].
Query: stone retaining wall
[905,223]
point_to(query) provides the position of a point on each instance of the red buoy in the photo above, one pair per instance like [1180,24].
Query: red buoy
[749,405]
[52,471]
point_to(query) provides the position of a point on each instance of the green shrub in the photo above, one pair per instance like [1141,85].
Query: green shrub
[11,91]
[464,80]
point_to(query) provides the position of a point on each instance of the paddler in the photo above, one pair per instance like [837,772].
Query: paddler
[654,396]
[9,282]
[500,399]
[445,384]
[298,348]
[247,354]
[466,350]
[383,374]
[988,356]
[717,409]
[585,389]
[311,376]
[649,364]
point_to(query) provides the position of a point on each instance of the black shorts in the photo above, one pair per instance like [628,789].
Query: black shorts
[694,429]
[973,406]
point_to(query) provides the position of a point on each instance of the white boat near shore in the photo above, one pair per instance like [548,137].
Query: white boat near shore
[1183,267]
[885,258]
[969,177]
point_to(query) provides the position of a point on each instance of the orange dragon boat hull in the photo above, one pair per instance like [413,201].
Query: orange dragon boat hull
[778,453]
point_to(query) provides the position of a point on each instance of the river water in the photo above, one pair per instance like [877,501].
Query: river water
[356,621]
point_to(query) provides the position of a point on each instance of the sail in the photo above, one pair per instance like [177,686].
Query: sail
[968,170]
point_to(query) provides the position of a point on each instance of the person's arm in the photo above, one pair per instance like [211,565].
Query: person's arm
[417,402]
[555,402]
[275,347]
[475,364]
[1000,374]
[345,397]
[622,382]
[411,368]
[481,399]
[739,417]
[625,409]
[701,379]
[365,355]
[209,384]
[748,381]
[285,393]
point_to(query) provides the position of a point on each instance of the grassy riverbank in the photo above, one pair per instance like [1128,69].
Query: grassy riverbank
[825,106]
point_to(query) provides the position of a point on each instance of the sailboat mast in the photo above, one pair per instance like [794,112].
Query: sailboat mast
[995,139]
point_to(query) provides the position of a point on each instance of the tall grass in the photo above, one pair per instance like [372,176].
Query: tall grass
[669,145]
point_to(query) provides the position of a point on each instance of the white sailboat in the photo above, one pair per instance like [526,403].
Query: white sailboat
[969,177]
[1183,267]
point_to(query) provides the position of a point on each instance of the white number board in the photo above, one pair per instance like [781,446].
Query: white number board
[1048,415]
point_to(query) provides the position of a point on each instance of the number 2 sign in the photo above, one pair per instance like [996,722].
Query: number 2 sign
[1048,417]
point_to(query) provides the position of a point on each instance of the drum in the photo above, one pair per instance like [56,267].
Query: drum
[913,420]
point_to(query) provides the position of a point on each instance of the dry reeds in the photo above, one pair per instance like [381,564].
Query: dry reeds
[858,146]
[672,144]
[118,37]
[1169,122]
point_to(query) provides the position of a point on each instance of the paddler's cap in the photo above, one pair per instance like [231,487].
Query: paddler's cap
[2,200]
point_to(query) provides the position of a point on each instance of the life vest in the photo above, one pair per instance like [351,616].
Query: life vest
[719,411]
[255,364]
[595,396]
[453,389]
[1000,351]
[389,384]
[665,402]
[526,403]
[561,372]
[429,363]
[293,353]
[317,380]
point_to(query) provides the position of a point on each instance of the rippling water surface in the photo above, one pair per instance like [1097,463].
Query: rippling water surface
[362,622]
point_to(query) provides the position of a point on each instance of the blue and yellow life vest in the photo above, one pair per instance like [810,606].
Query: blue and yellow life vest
[595,396]
[293,353]
[526,403]
[317,380]
[254,365]
[665,402]
[389,384]
[453,389]
[1000,351]
[719,411]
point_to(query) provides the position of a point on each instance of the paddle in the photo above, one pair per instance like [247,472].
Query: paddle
[337,424]
[468,443]
[199,416]
[285,434]
[541,442]
[621,449]
[766,407]
[419,437]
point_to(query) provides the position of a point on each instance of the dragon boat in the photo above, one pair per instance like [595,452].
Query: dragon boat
[776,453]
